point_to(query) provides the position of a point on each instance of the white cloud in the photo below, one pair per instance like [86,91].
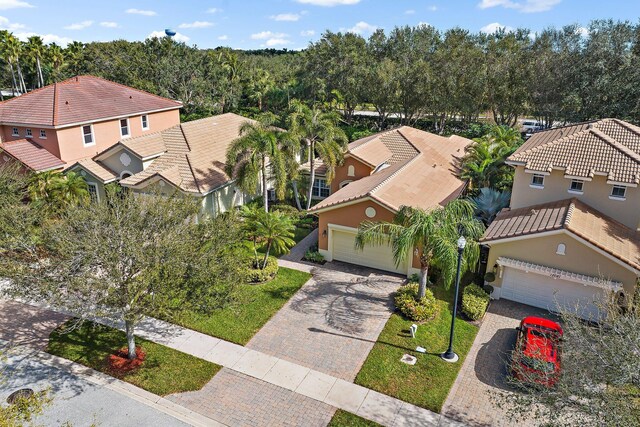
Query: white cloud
[108,24]
[13,4]
[79,25]
[329,3]
[196,24]
[214,10]
[277,42]
[178,37]
[421,23]
[432,8]
[141,12]
[526,6]
[291,17]
[409,12]
[307,33]
[46,38]
[5,24]
[494,27]
[362,28]
[223,37]
[268,35]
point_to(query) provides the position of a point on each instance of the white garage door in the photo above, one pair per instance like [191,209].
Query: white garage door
[380,257]
[549,293]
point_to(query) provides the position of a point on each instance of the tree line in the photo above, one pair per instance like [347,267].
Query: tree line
[419,73]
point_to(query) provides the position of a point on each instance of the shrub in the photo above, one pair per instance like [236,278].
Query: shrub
[474,301]
[422,310]
[260,275]
[314,256]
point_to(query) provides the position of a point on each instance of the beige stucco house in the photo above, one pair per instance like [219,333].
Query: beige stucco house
[381,173]
[188,158]
[570,236]
[55,126]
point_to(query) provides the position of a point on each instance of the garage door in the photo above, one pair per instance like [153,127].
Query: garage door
[379,257]
[552,294]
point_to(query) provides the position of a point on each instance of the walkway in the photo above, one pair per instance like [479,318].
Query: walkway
[483,373]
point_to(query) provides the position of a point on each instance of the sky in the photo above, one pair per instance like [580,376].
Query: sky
[291,24]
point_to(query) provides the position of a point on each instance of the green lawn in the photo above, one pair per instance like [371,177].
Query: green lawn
[427,383]
[257,303]
[347,419]
[163,372]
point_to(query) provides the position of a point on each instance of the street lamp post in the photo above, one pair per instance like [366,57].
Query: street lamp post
[449,355]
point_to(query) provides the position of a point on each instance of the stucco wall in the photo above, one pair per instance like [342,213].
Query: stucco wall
[578,258]
[114,162]
[223,200]
[596,194]
[361,170]
[50,143]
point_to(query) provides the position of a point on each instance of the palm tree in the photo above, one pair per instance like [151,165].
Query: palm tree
[72,190]
[74,55]
[55,58]
[42,186]
[431,235]
[35,50]
[322,137]
[53,191]
[489,202]
[11,50]
[257,155]
[274,230]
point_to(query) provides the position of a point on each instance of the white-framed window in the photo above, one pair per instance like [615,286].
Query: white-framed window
[145,122]
[562,249]
[618,192]
[43,134]
[87,135]
[15,132]
[93,191]
[576,186]
[320,188]
[351,171]
[29,133]
[124,127]
[537,180]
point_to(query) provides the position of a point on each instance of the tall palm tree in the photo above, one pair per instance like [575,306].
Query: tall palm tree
[257,156]
[432,235]
[74,55]
[73,190]
[56,59]
[35,51]
[274,230]
[11,50]
[53,191]
[319,132]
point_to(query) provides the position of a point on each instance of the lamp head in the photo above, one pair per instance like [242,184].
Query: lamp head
[462,242]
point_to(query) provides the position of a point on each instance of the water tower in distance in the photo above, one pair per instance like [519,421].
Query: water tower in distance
[169,32]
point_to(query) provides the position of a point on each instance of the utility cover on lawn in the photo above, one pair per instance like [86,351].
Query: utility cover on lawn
[408,359]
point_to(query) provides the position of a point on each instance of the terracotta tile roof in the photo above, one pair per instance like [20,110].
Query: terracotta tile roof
[96,169]
[195,154]
[574,216]
[427,179]
[609,146]
[321,168]
[144,146]
[32,155]
[79,100]
[384,147]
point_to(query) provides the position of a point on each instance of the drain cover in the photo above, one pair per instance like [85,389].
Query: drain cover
[408,359]
[23,393]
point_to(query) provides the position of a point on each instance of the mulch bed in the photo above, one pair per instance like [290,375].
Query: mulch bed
[120,364]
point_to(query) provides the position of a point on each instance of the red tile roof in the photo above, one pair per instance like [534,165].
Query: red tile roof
[80,99]
[574,216]
[31,155]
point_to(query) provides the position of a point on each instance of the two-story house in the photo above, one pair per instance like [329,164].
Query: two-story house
[381,173]
[570,237]
[57,125]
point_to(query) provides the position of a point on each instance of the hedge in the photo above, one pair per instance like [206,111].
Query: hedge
[257,275]
[422,310]
[474,301]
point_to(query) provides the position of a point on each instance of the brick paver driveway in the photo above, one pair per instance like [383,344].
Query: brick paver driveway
[329,325]
[485,368]
[23,324]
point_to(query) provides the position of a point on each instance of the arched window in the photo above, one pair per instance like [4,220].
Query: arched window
[351,171]
[125,174]
[561,249]
[345,183]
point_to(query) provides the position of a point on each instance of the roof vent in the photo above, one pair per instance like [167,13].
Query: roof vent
[435,164]
[66,102]
[130,97]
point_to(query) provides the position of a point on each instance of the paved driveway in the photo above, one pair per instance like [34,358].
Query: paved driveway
[331,324]
[22,324]
[485,368]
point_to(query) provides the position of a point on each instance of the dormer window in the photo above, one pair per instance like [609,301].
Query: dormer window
[15,132]
[618,192]
[537,180]
[576,186]
[124,127]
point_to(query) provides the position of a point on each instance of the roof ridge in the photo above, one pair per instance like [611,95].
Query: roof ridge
[185,137]
[631,128]
[615,144]
[569,214]
[552,143]
[407,139]
[391,176]
[375,136]
[54,116]
[186,155]
[78,77]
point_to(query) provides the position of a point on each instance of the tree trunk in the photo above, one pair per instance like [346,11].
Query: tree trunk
[21,77]
[131,339]
[265,192]
[424,277]
[40,76]
[312,172]
[266,256]
[13,77]
[294,184]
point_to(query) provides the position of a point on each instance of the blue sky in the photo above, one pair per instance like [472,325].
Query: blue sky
[252,24]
